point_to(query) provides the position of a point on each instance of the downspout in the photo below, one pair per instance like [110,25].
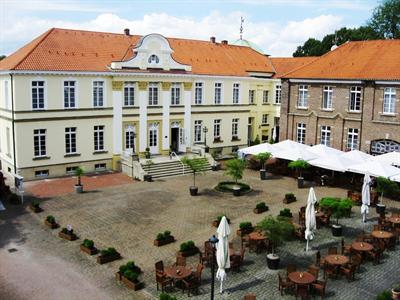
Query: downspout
[362,113]
[13,123]
[288,110]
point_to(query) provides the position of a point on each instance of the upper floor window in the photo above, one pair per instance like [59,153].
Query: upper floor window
[99,138]
[37,94]
[235,129]
[98,93]
[302,100]
[301,133]
[236,91]
[278,94]
[129,94]
[70,140]
[327,97]
[198,93]
[153,59]
[218,93]
[355,99]
[217,130]
[175,94]
[198,127]
[389,100]
[153,93]
[39,141]
[326,135]
[252,94]
[352,139]
[69,94]
[265,96]
[264,119]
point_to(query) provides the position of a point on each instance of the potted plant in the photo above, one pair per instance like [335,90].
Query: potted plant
[285,213]
[164,238]
[147,153]
[216,222]
[67,233]
[197,165]
[188,249]
[235,168]
[262,158]
[165,296]
[129,274]
[108,255]
[289,198]
[244,228]
[339,208]
[50,222]
[300,165]
[396,292]
[35,207]
[277,231]
[260,208]
[388,187]
[147,177]
[78,186]
[88,247]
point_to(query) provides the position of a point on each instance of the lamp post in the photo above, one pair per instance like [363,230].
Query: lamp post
[205,130]
[213,240]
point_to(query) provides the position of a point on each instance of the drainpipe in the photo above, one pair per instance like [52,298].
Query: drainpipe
[13,123]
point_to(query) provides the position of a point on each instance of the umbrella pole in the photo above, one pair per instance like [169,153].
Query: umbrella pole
[307,245]
[221,288]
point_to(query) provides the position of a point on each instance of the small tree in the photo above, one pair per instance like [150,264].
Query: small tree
[277,230]
[79,172]
[262,158]
[196,164]
[387,187]
[235,168]
[300,165]
[339,207]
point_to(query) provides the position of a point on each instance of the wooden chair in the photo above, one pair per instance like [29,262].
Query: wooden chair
[375,254]
[329,271]
[160,267]
[319,287]
[193,282]
[319,262]
[314,270]
[180,261]
[250,297]
[349,271]
[290,268]
[332,250]
[284,285]
[346,249]
[391,244]
[325,219]
[356,259]
[161,279]
[237,260]
[302,290]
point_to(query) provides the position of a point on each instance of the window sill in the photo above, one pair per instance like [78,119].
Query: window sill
[218,141]
[41,158]
[38,109]
[353,111]
[154,106]
[177,105]
[100,152]
[99,107]
[252,103]
[302,107]
[72,154]
[130,106]
[327,109]
[235,140]
[276,104]
[70,108]
[388,114]
[266,103]
[265,124]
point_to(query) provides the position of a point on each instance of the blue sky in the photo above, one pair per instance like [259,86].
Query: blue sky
[277,26]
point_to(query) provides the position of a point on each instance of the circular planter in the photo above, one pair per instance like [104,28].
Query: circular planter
[273,261]
[263,174]
[396,294]
[300,182]
[380,209]
[337,230]
[227,187]
[193,190]
[236,191]
[78,189]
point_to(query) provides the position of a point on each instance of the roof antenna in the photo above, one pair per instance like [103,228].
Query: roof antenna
[335,42]
[241,27]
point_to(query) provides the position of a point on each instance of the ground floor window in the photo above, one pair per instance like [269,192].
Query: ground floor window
[384,146]
[352,139]
[198,124]
[100,167]
[217,129]
[301,133]
[235,126]
[130,138]
[326,135]
[70,170]
[42,173]
[98,138]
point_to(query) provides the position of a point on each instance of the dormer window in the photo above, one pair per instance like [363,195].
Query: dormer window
[153,59]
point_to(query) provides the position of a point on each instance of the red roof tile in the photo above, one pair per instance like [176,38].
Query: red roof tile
[284,65]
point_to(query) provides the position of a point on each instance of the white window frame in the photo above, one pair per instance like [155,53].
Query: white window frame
[278,94]
[198,131]
[96,104]
[153,97]
[236,93]
[325,135]
[327,98]
[98,135]
[42,173]
[44,93]
[352,138]
[130,137]
[217,129]
[265,96]
[175,94]
[75,88]
[264,119]
[235,128]
[129,95]
[201,88]
[356,91]
[70,138]
[389,100]
[302,99]
[218,86]
[39,138]
[252,96]
[301,131]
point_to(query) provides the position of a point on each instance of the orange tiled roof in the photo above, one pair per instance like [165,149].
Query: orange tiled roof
[284,65]
[78,50]
[379,60]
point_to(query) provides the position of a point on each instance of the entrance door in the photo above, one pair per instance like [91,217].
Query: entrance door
[175,139]
[182,146]
[153,138]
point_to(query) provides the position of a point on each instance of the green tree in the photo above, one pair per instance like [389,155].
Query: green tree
[235,168]
[299,165]
[196,164]
[262,158]
[312,47]
[277,230]
[385,20]
[2,57]
[79,172]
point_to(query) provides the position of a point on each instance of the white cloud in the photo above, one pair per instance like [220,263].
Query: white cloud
[274,39]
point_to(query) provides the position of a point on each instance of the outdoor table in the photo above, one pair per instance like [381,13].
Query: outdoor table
[301,277]
[319,214]
[177,272]
[394,220]
[337,259]
[362,246]
[381,234]
[257,236]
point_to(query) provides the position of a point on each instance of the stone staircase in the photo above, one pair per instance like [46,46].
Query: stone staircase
[172,167]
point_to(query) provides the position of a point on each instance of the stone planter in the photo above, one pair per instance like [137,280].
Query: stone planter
[147,155]
[289,200]
[133,285]
[300,182]
[380,209]
[109,258]
[35,209]
[396,293]
[168,240]
[263,174]
[241,232]
[193,190]
[337,230]
[188,253]
[273,261]
[68,237]
[51,225]
[260,210]
[78,189]
[236,191]
[90,251]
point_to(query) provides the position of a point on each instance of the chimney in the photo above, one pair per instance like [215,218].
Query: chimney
[212,39]
[126,31]
[224,42]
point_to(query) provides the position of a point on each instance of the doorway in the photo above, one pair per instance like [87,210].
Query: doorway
[175,139]
[153,138]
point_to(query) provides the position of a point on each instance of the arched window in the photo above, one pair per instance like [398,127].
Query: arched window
[153,59]
[384,146]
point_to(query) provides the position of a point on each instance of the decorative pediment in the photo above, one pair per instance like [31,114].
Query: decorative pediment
[153,51]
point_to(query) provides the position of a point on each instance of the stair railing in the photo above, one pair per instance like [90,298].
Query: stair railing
[173,154]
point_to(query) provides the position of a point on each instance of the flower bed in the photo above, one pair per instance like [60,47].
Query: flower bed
[188,249]
[129,275]
[164,238]
[51,222]
[228,187]
[68,235]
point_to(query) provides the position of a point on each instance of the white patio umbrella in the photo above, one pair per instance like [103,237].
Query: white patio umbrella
[365,196]
[311,223]
[395,178]
[333,162]
[256,149]
[358,156]
[323,151]
[375,168]
[392,158]
[222,254]
[295,154]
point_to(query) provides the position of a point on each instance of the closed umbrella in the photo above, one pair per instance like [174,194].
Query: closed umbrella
[222,254]
[365,196]
[311,223]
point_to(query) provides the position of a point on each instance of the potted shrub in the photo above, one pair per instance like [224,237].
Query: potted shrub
[129,274]
[277,231]
[389,188]
[164,238]
[260,208]
[78,186]
[396,292]
[51,222]
[197,165]
[147,177]
[235,168]
[88,247]
[147,153]
[285,213]
[108,255]
[339,208]
[188,249]
[262,158]
[289,198]
[35,207]
[244,228]
[216,222]
[165,296]
[300,165]
[67,233]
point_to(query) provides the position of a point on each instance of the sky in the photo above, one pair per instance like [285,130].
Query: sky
[276,26]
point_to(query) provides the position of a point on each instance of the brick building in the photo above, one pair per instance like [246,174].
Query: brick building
[347,99]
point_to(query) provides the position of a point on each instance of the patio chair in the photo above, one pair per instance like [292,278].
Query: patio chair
[302,290]
[314,270]
[161,279]
[319,287]
[332,250]
[391,244]
[284,285]
[290,268]
[205,259]
[325,219]
[375,254]
[319,262]
[356,259]
[253,246]
[250,297]
[346,249]
[329,271]
[193,282]
[180,261]
[349,271]
[159,267]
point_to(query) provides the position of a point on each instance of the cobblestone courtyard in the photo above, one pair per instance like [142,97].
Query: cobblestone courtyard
[129,216]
